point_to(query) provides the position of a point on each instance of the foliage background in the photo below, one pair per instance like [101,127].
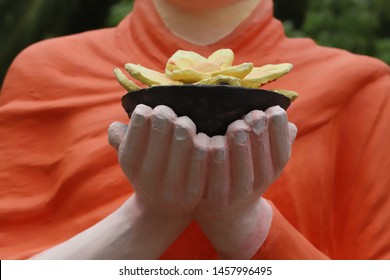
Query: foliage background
[361,26]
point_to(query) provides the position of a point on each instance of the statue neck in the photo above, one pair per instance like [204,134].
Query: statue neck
[204,27]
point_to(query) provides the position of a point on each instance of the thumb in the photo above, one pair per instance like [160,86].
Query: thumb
[292,132]
[116,133]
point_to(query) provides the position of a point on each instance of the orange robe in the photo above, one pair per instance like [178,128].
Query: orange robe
[59,176]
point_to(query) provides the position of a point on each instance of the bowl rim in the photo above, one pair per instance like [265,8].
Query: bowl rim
[231,99]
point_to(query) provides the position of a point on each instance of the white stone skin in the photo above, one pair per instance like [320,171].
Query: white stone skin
[219,180]
[179,176]
[242,166]
[164,159]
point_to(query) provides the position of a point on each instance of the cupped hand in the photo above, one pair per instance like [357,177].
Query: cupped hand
[221,180]
[163,158]
[242,165]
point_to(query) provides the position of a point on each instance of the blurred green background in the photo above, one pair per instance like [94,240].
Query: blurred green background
[361,26]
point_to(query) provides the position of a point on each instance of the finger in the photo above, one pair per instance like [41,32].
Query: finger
[292,132]
[177,165]
[196,173]
[218,182]
[166,111]
[241,164]
[152,168]
[116,134]
[261,150]
[132,147]
[253,116]
[279,137]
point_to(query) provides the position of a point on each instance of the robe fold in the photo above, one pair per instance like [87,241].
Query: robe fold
[59,175]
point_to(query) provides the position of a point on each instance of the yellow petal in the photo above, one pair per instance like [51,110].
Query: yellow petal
[181,60]
[238,71]
[265,74]
[223,58]
[207,67]
[288,93]
[221,80]
[124,81]
[147,76]
[187,76]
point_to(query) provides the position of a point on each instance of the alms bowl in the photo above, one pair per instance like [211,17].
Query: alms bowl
[211,108]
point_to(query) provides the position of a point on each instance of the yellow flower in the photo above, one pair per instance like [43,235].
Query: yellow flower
[187,67]
[190,67]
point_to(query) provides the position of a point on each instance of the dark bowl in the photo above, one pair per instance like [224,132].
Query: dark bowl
[211,108]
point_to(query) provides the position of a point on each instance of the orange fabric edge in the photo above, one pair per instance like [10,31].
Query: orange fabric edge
[284,242]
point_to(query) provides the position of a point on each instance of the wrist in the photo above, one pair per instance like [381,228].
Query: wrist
[166,208]
[154,230]
[240,235]
[140,212]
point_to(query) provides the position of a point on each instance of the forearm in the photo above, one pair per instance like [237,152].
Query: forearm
[131,232]
[240,236]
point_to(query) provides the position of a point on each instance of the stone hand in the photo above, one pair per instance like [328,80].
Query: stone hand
[221,179]
[242,165]
[163,157]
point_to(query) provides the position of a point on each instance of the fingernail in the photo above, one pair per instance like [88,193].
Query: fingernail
[180,133]
[159,123]
[249,118]
[241,137]
[201,143]
[260,125]
[137,119]
[218,144]
[220,155]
